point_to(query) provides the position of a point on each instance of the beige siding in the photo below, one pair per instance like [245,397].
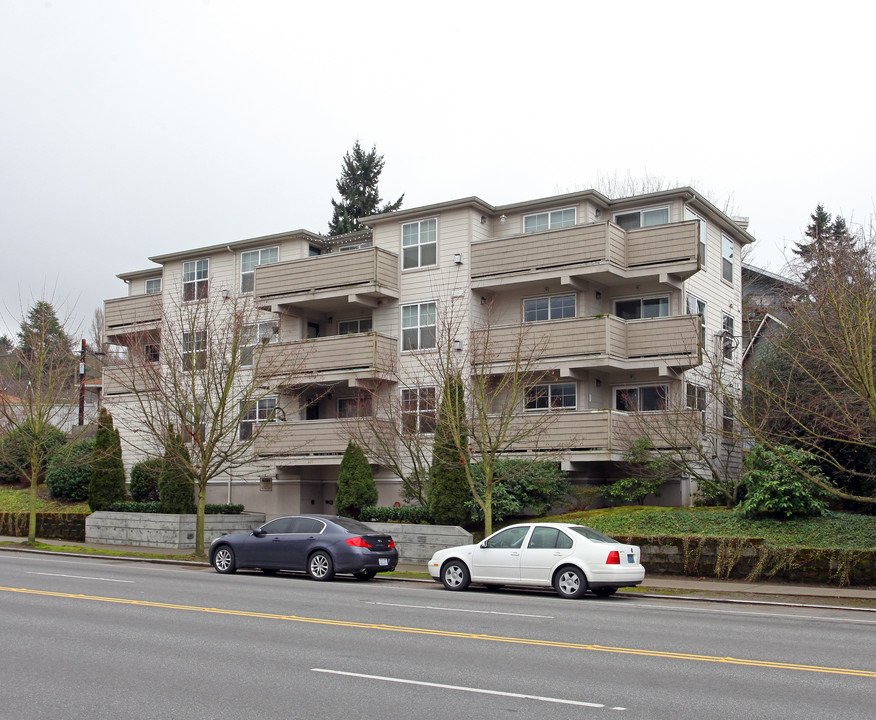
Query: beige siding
[353,353]
[129,311]
[314,437]
[120,380]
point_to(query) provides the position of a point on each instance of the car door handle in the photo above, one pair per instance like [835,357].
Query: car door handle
[515,554]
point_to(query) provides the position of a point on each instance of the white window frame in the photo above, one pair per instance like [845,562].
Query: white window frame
[151,352]
[154,290]
[555,219]
[550,307]
[638,388]
[250,274]
[695,306]
[258,411]
[194,350]
[642,299]
[727,336]
[427,228]
[424,334]
[703,236]
[358,322]
[419,405]
[642,212]
[727,252]
[556,395]
[265,332]
[196,279]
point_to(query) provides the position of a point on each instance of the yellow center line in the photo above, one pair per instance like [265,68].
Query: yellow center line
[454,634]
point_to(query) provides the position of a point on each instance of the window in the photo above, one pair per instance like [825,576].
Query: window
[727,258]
[551,396]
[248,262]
[262,332]
[728,341]
[262,410]
[418,410]
[691,215]
[508,539]
[352,407]
[727,416]
[642,398]
[153,286]
[194,350]
[314,250]
[695,397]
[642,218]
[695,306]
[549,220]
[546,538]
[419,243]
[418,326]
[639,308]
[152,353]
[196,280]
[348,327]
[555,307]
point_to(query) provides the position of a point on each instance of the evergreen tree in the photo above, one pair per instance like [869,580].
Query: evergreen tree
[448,492]
[107,471]
[42,332]
[356,487]
[827,239]
[357,187]
[6,345]
[176,489]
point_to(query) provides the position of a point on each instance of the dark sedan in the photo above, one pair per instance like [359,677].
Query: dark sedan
[320,545]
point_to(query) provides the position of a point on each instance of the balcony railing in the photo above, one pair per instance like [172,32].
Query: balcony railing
[132,314]
[370,273]
[304,438]
[583,249]
[122,379]
[334,356]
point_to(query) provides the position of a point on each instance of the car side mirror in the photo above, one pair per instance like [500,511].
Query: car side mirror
[259,532]
[484,544]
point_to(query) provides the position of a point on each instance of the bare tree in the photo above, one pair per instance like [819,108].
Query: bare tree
[209,374]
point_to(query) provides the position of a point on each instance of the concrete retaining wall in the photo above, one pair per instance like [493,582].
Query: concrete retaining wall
[161,530]
[50,526]
[417,543]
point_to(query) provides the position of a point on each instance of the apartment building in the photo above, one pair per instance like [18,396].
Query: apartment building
[636,302]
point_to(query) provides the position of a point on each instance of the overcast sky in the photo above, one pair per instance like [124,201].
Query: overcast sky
[131,128]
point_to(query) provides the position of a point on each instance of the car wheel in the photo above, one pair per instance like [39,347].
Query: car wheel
[605,591]
[365,574]
[320,566]
[569,582]
[454,575]
[223,560]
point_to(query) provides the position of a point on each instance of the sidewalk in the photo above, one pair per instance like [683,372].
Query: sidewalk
[664,585]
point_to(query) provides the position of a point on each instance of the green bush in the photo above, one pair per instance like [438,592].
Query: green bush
[145,478]
[176,489]
[521,485]
[356,488]
[15,453]
[412,514]
[778,485]
[448,489]
[69,475]
[107,471]
[155,507]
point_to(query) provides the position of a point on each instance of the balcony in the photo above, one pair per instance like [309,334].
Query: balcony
[304,439]
[360,277]
[128,315]
[332,359]
[599,342]
[123,379]
[600,252]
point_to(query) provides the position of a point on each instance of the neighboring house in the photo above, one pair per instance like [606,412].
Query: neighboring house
[765,301]
[638,301]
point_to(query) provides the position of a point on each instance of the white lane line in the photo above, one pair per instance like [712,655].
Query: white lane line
[80,577]
[463,610]
[775,615]
[463,688]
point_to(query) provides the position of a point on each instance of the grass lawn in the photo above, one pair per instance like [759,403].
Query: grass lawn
[14,498]
[834,530]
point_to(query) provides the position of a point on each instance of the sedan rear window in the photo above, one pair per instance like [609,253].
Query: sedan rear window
[353,526]
[592,534]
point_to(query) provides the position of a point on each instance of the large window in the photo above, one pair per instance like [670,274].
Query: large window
[691,215]
[262,410]
[551,396]
[555,307]
[549,220]
[196,279]
[194,350]
[638,308]
[418,326]
[349,327]
[695,399]
[259,333]
[153,286]
[641,398]
[419,243]
[248,262]
[727,258]
[695,306]
[418,410]
[642,218]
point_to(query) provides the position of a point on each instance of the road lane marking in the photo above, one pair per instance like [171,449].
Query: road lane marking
[455,634]
[775,616]
[79,577]
[463,688]
[462,610]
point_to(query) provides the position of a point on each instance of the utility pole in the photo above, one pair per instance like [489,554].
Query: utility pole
[82,385]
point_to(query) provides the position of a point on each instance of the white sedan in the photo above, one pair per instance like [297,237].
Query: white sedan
[570,558]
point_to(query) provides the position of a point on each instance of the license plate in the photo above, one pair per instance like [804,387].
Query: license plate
[631,558]
[382,561]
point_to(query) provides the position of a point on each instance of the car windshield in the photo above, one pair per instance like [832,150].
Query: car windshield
[353,526]
[591,534]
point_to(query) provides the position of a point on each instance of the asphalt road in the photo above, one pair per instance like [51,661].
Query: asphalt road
[91,638]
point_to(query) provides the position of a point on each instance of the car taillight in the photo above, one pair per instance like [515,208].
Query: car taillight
[391,543]
[358,542]
[613,558]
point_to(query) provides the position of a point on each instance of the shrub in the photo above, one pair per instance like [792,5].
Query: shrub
[107,471]
[412,514]
[176,489]
[520,485]
[356,488]
[647,470]
[15,450]
[155,507]
[145,477]
[448,489]
[69,475]
[778,484]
